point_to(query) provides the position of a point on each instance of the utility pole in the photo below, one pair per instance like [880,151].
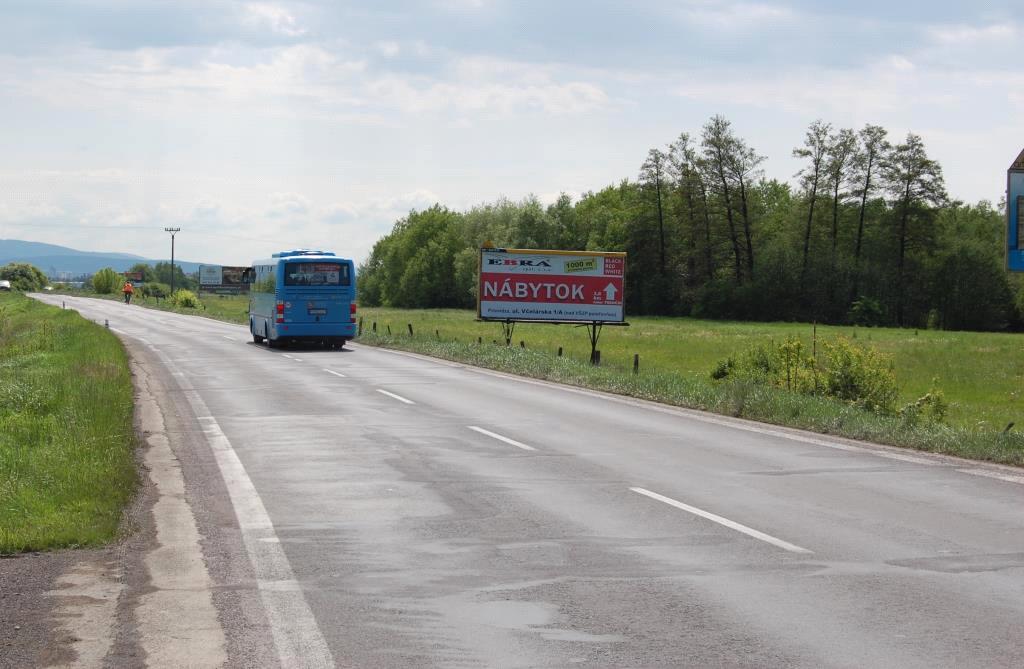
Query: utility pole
[173,231]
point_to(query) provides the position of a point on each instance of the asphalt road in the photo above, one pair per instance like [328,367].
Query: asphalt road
[376,509]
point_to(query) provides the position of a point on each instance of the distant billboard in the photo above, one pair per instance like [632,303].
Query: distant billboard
[221,277]
[1015,215]
[554,286]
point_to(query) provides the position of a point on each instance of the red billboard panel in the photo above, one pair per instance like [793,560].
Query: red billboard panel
[566,286]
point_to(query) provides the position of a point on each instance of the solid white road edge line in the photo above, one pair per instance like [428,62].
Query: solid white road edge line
[331,371]
[297,636]
[394,396]
[731,524]
[501,438]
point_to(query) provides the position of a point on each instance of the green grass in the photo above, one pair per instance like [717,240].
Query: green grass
[735,398]
[66,434]
[981,374]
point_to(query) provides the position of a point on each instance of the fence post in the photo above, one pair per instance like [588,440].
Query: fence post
[106,323]
[559,351]
[636,363]
[389,329]
[522,344]
[437,333]
[480,341]
[360,326]
[410,329]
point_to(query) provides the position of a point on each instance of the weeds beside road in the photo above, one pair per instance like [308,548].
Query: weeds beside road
[739,398]
[66,435]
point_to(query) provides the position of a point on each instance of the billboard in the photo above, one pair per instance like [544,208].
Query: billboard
[554,286]
[221,277]
[209,275]
[1015,215]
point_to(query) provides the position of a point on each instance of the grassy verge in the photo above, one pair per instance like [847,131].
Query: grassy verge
[980,373]
[733,398]
[66,434]
[228,308]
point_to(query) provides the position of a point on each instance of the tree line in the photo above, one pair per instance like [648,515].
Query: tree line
[867,234]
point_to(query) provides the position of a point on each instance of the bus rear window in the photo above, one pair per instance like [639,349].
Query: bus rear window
[316,274]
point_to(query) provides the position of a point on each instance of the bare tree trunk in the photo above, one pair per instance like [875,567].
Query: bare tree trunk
[661,227]
[746,228]
[708,254]
[855,288]
[807,235]
[904,216]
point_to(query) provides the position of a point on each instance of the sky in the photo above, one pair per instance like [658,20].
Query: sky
[262,126]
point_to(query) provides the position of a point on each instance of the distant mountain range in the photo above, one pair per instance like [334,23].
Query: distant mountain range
[53,259]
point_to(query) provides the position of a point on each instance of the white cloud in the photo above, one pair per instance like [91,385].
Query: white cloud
[273,17]
[389,49]
[963,34]
[284,205]
[716,15]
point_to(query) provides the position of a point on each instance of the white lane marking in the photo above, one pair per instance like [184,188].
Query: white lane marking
[394,396]
[731,524]
[287,356]
[331,371]
[297,359]
[297,636]
[228,338]
[118,331]
[501,438]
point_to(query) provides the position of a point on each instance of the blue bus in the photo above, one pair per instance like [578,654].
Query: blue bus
[302,296]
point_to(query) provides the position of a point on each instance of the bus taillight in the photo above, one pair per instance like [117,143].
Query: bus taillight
[280,312]
[352,311]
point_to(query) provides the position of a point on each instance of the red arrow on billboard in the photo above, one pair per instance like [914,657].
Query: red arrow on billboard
[609,292]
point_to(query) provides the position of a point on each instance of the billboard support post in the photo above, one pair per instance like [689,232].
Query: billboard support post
[594,330]
[507,329]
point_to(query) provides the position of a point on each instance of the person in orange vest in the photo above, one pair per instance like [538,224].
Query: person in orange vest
[128,291]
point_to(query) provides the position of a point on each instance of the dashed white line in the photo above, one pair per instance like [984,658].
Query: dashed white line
[297,359]
[731,524]
[285,355]
[228,338]
[501,438]
[331,371]
[394,396]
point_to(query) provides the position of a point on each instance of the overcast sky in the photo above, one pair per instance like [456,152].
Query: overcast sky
[257,126]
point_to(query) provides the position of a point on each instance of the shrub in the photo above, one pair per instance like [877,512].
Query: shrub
[855,374]
[185,299]
[866,311]
[860,375]
[23,276]
[155,289]
[106,281]
[932,406]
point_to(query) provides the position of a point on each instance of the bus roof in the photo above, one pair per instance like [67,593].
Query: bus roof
[302,252]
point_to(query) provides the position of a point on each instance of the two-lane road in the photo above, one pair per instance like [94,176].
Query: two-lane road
[374,508]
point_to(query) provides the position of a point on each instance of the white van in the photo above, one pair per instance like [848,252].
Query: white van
[5,284]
